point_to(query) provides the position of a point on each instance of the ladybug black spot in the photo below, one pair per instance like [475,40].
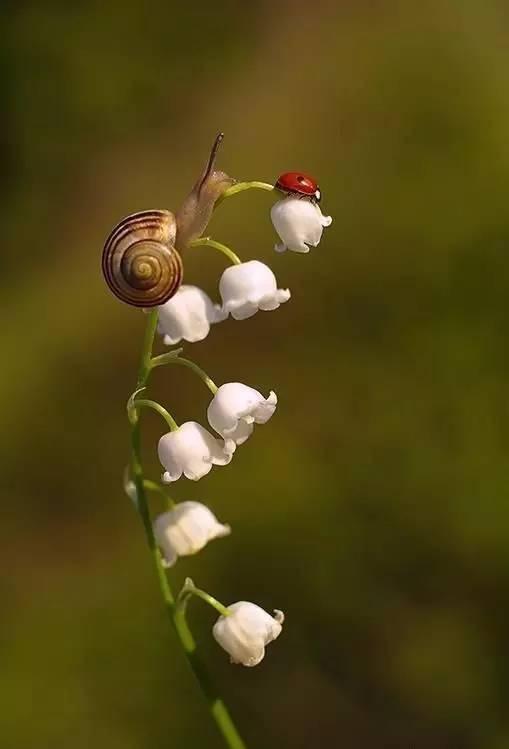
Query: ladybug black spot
[300,178]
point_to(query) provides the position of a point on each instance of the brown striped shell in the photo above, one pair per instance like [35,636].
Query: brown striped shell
[139,262]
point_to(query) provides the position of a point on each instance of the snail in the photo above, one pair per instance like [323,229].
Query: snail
[142,256]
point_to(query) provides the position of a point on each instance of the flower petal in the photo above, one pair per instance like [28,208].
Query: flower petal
[188,315]
[191,450]
[299,223]
[246,631]
[235,408]
[186,529]
[250,286]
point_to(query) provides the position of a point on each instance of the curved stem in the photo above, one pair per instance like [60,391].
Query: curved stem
[149,485]
[217,708]
[241,186]
[144,403]
[190,589]
[170,358]
[153,486]
[218,246]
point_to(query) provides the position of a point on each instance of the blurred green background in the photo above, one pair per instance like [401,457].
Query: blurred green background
[373,509]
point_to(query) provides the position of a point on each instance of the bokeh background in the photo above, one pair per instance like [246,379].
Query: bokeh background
[373,509]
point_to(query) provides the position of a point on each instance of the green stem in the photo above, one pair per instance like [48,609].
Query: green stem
[190,589]
[149,485]
[153,486]
[241,186]
[170,358]
[144,403]
[146,353]
[217,707]
[218,246]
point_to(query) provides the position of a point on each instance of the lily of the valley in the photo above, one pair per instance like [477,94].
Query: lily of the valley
[247,287]
[299,223]
[246,631]
[188,315]
[192,450]
[236,408]
[186,529]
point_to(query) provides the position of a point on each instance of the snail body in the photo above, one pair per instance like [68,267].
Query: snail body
[141,263]
[195,212]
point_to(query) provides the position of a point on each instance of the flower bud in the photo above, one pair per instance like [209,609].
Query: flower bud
[246,631]
[186,529]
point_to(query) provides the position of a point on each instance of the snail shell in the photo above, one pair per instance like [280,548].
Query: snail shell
[139,262]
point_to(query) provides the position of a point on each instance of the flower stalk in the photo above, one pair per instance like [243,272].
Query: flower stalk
[189,589]
[173,358]
[217,708]
[134,404]
[149,485]
[235,259]
[241,186]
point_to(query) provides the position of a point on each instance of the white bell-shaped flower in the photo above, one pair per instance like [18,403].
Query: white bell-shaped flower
[188,315]
[248,287]
[236,408]
[191,450]
[299,223]
[246,631]
[186,529]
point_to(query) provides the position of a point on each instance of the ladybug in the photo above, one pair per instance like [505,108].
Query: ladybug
[296,183]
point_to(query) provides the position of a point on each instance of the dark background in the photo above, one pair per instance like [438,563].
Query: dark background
[373,508]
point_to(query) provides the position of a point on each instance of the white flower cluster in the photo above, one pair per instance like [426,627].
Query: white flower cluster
[244,289]
[243,629]
[247,287]
[247,628]
[191,450]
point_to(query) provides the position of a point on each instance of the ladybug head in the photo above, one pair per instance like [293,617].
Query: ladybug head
[297,183]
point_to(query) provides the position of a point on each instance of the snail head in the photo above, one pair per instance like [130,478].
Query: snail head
[196,210]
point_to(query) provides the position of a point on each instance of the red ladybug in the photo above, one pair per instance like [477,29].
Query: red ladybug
[296,183]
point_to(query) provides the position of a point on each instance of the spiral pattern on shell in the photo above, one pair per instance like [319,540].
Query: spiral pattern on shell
[139,262]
